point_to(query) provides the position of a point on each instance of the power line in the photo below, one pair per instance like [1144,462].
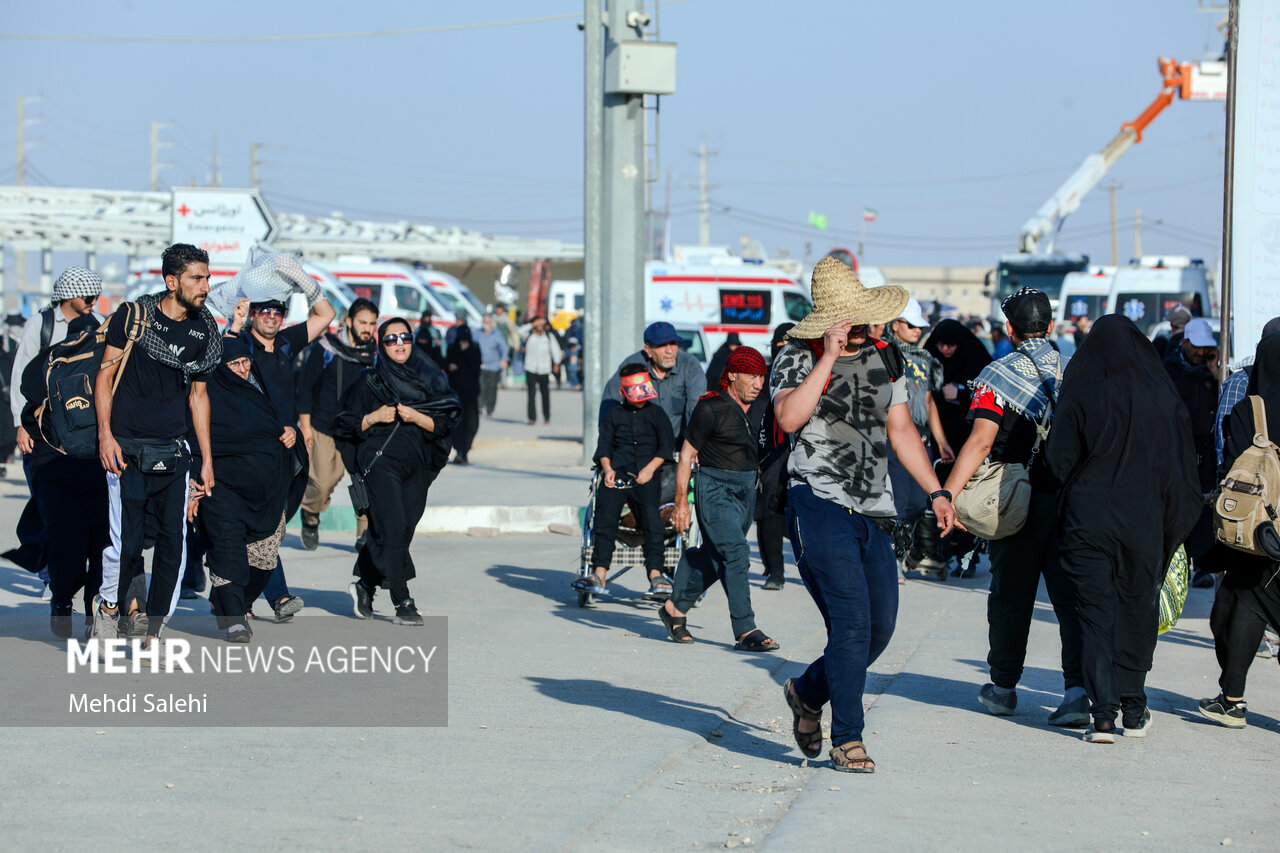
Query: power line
[299,36]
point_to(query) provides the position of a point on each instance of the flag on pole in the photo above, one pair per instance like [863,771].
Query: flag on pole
[868,215]
[817,220]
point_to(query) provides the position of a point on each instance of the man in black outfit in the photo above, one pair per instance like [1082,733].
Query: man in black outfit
[332,365]
[635,439]
[141,436]
[273,351]
[723,435]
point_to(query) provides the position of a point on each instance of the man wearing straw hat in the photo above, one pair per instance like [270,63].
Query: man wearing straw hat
[841,397]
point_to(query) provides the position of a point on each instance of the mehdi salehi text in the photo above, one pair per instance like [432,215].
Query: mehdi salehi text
[131,703]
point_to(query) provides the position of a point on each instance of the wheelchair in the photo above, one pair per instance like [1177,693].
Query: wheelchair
[628,553]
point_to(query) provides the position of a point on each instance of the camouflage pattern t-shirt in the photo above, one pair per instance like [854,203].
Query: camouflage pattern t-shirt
[842,451]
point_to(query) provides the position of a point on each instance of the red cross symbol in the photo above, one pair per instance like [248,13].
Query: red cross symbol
[184,210]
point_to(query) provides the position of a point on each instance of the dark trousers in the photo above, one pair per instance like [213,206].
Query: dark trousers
[132,497]
[1017,563]
[75,491]
[1239,618]
[465,432]
[770,530]
[489,381]
[226,536]
[725,502]
[909,500]
[535,383]
[277,586]
[397,499]
[645,501]
[1118,600]
[847,563]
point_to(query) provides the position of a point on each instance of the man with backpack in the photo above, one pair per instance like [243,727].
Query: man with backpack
[332,365]
[74,294]
[160,349]
[273,351]
[841,397]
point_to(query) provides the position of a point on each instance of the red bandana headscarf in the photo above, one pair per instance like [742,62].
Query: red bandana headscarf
[743,360]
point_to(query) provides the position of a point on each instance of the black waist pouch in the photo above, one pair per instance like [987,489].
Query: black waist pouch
[157,455]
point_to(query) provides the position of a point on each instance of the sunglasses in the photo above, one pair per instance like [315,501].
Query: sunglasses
[397,338]
[91,298]
[270,312]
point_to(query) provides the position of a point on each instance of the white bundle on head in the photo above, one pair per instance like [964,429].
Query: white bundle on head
[267,275]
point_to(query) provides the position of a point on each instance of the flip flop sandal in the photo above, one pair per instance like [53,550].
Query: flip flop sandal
[675,626]
[844,762]
[589,584]
[756,641]
[659,588]
[810,743]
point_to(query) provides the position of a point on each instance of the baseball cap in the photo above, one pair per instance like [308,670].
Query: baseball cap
[1199,333]
[913,315]
[660,334]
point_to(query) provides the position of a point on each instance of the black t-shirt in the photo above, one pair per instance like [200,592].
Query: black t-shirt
[724,435]
[633,436]
[1014,440]
[151,400]
[276,364]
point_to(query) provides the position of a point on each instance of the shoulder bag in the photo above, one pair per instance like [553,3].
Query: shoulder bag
[995,502]
[359,490]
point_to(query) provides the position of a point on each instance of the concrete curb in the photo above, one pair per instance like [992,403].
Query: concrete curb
[461,519]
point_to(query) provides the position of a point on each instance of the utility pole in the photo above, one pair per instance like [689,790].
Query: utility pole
[704,202]
[254,162]
[156,145]
[1137,234]
[215,165]
[1115,228]
[594,372]
[22,141]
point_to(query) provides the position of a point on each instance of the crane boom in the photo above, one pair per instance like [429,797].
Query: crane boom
[1189,80]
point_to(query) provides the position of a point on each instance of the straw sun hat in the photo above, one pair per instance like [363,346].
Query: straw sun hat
[838,295]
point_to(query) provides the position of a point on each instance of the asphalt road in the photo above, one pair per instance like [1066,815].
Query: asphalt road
[587,729]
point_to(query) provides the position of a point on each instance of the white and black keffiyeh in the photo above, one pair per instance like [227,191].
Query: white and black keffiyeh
[76,281]
[267,276]
[159,350]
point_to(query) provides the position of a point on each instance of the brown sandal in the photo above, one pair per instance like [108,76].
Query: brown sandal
[810,743]
[844,762]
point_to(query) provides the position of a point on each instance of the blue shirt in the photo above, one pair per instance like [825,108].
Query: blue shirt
[493,349]
[1002,349]
[1231,392]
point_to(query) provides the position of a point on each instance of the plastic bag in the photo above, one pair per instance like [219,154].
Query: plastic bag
[266,275]
[1173,593]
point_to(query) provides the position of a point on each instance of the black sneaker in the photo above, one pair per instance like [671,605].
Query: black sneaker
[774,582]
[287,607]
[239,634]
[310,536]
[60,621]
[1229,714]
[1000,703]
[362,599]
[361,541]
[407,613]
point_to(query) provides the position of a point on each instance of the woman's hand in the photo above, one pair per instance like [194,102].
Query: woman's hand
[289,437]
[410,415]
[951,391]
[380,415]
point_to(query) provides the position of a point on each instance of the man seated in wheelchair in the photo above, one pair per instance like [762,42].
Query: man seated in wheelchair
[635,440]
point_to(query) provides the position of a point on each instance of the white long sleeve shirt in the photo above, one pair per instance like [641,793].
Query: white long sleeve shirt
[541,352]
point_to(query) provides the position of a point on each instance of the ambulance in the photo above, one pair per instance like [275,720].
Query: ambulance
[396,289]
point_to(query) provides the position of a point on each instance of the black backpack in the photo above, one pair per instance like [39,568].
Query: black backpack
[68,417]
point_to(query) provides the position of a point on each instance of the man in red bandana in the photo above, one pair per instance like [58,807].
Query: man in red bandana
[724,436]
[635,439]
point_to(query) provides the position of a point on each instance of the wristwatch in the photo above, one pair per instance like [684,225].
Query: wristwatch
[941,493]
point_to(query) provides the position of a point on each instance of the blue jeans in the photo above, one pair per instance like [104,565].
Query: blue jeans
[848,566]
[724,501]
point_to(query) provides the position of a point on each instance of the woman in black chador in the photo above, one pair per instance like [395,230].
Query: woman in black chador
[393,427]
[463,364]
[1121,447]
[242,519]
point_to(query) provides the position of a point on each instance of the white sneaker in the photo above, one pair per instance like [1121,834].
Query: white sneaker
[46,594]
[106,626]
[1092,735]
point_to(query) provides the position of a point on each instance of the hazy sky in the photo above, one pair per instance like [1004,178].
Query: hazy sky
[955,121]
